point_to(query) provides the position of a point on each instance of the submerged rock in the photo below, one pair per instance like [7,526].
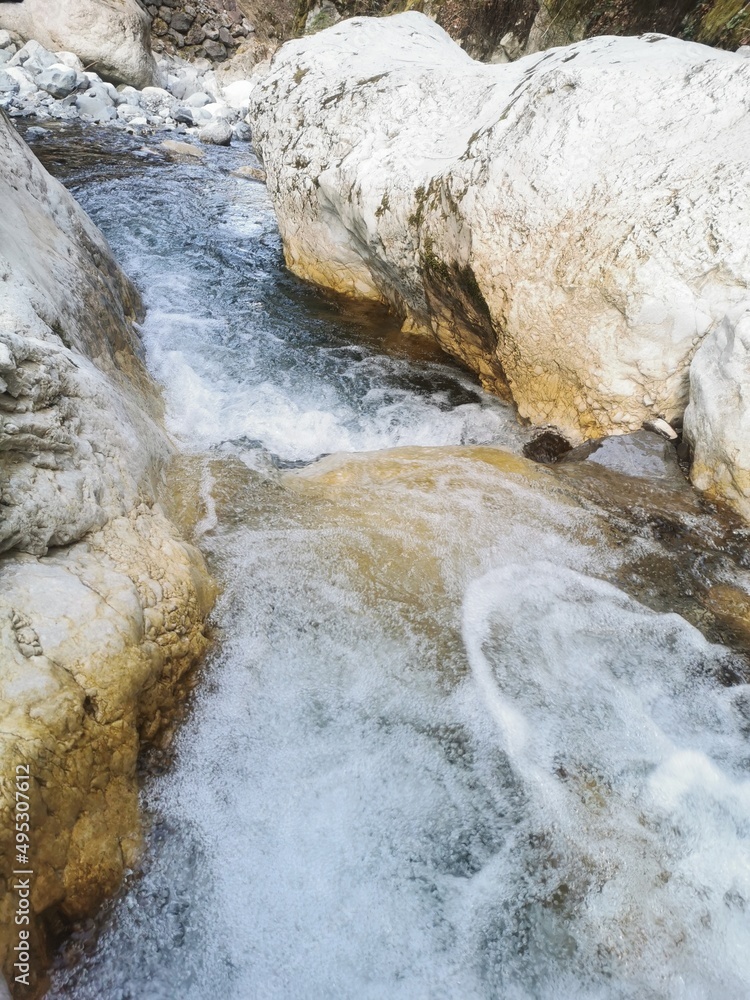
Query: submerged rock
[562,224]
[250,173]
[645,455]
[111,36]
[101,603]
[180,150]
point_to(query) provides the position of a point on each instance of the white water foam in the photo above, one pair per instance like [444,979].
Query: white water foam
[233,341]
[634,762]
[540,795]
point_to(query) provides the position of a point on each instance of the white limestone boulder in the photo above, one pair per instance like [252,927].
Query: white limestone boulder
[717,420]
[112,37]
[570,225]
[102,605]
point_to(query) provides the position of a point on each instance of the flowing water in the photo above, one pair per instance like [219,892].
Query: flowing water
[473,727]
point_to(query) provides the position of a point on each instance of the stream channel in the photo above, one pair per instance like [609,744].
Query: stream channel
[473,726]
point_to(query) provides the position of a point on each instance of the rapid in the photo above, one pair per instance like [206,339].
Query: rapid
[473,727]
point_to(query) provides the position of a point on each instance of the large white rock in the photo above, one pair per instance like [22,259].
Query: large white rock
[101,603]
[570,225]
[717,420]
[111,36]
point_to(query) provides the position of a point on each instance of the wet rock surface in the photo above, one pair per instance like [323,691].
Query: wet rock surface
[102,605]
[382,611]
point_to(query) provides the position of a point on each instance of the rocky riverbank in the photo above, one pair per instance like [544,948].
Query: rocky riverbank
[564,226]
[102,605]
[55,85]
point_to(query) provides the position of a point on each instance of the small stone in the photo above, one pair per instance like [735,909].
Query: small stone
[218,109]
[181,22]
[198,100]
[250,173]
[183,116]
[226,38]
[237,94]
[8,85]
[58,80]
[6,39]
[182,149]
[7,361]
[34,57]
[127,112]
[70,59]
[661,426]
[177,38]
[25,84]
[36,132]
[128,95]
[217,133]
[215,50]
[159,26]
[153,98]
[95,106]
[201,116]
[243,132]
[195,36]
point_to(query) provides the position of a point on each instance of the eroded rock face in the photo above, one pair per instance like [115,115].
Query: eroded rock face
[564,224]
[102,605]
[717,420]
[111,37]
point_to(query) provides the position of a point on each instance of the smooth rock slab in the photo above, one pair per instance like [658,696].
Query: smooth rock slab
[100,107]
[570,225]
[181,150]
